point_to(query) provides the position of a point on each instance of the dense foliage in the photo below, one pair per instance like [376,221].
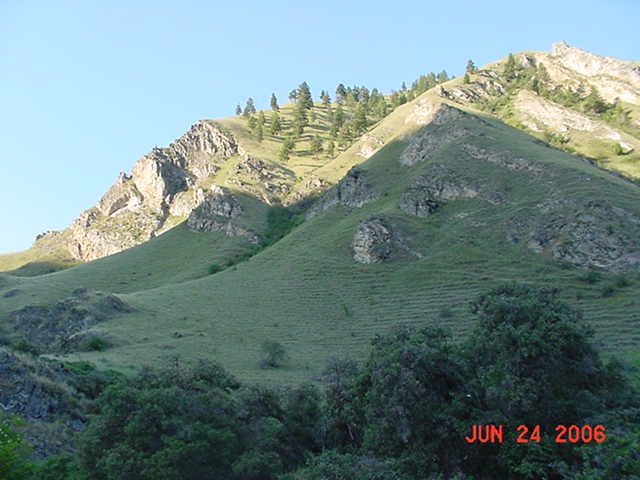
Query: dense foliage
[403,415]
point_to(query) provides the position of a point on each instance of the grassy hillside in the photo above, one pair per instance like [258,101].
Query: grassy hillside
[306,291]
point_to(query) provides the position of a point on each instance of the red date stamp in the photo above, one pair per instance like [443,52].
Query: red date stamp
[526,434]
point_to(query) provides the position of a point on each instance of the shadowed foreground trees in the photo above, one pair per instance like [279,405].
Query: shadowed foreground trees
[403,415]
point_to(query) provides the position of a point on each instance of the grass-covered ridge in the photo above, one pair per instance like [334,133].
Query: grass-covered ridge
[306,292]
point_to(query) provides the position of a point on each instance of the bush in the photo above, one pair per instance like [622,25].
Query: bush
[622,281]
[14,452]
[591,277]
[608,291]
[214,268]
[94,343]
[274,354]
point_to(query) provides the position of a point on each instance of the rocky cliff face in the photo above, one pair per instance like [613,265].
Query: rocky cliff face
[164,183]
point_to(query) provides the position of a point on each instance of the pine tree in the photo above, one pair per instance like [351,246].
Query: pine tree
[316,145]
[276,125]
[274,103]
[304,96]
[331,149]
[293,95]
[443,76]
[253,122]
[345,136]
[259,131]
[326,99]
[466,78]
[471,68]
[510,68]
[300,119]
[338,117]
[285,150]
[341,93]
[238,110]
[360,120]
[261,118]
[403,87]
[249,108]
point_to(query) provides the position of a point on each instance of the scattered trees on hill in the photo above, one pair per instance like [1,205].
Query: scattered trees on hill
[249,107]
[276,125]
[316,145]
[471,67]
[285,150]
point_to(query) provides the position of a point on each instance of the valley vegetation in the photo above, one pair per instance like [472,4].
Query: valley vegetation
[402,414]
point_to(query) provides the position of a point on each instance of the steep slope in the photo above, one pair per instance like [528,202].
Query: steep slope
[581,102]
[218,173]
[453,203]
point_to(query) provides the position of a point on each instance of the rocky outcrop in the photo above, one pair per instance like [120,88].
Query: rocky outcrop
[442,129]
[485,84]
[123,194]
[261,178]
[594,235]
[94,235]
[540,114]
[437,186]
[52,328]
[34,396]
[373,241]
[352,191]
[502,158]
[428,112]
[216,214]
[369,145]
[592,65]
[163,183]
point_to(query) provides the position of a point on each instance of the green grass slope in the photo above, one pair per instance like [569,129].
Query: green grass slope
[307,292]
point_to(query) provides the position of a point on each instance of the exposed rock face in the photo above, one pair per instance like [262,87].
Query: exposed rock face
[437,186]
[369,145]
[123,194]
[352,191]
[592,65]
[502,158]
[591,235]
[23,394]
[52,328]
[442,131]
[263,179]
[93,235]
[162,183]
[427,112]
[38,391]
[372,242]
[485,84]
[540,114]
[216,213]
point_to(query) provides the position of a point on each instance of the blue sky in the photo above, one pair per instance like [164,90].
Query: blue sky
[87,87]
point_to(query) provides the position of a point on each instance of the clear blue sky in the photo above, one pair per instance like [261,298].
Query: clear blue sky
[87,87]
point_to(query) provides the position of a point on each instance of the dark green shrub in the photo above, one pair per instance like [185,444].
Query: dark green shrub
[14,452]
[608,291]
[274,354]
[591,277]
[94,343]
[214,268]
[622,281]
